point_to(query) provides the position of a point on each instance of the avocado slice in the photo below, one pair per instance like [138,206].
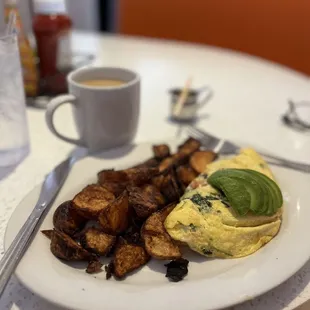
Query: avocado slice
[248,189]
[235,191]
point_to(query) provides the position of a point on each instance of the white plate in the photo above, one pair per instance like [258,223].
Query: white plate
[210,284]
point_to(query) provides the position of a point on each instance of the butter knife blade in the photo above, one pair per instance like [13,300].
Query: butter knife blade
[50,188]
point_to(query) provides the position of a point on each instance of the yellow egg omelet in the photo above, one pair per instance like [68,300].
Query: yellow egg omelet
[214,229]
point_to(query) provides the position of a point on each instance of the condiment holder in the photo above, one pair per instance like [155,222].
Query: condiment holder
[196,99]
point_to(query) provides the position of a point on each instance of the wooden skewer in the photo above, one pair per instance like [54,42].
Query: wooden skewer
[180,103]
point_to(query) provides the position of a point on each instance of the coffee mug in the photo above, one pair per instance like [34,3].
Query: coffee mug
[105,116]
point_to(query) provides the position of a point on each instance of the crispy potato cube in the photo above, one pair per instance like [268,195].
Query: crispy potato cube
[143,200]
[114,219]
[128,257]
[157,241]
[151,163]
[96,241]
[170,187]
[152,191]
[91,200]
[190,146]
[67,219]
[186,174]
[64,247]
[94,266]
[161,151]
[200,159]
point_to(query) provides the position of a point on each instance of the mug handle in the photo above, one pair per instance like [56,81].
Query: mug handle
[52,106]
[207,96]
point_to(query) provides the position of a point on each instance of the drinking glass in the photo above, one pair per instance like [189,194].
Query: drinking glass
[14,138]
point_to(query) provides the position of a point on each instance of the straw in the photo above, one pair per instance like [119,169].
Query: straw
[180,103]
[11,24]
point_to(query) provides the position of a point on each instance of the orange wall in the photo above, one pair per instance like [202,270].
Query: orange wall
[278,30]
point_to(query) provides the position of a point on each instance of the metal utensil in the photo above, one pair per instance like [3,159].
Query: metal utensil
[50,188]
[222,146]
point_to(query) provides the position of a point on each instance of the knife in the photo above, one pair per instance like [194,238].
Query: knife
[50,188]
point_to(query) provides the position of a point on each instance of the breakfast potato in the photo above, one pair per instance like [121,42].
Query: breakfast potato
[157,241]
[96,241]
[128,257]
[161,151]
[152,190]
[152,162]
[114,218]
[94,266]
[142,201]
[67,219]
[186,174]
[91,200]
[190,146]
[112,176]
[140,176]
[170,187]
[199,160]
[48,233]
[64,247]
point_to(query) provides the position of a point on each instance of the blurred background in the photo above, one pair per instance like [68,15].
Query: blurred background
[275,30]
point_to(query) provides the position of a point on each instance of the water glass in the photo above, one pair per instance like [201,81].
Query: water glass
[14,138]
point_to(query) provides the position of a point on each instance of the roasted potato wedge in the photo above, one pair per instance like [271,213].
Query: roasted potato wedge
[152,190]
[199,160]
[161,151]
[96,241]
[112,176]
[152,162]
[186,174]
[114,219]
[190,146]
[64,247]
[94,266]
[48,233]
[170,187]
[142,201]
[128,257]
[140,176]
[91,200]
[67,219]
[157,241]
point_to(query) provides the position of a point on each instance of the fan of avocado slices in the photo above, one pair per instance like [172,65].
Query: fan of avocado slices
[248,190]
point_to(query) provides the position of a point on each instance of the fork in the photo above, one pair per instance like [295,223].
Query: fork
[223,146]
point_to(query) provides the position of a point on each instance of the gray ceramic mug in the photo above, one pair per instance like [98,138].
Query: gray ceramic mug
[105,117]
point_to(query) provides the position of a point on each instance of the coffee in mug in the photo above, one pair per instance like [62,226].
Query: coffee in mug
[106,104]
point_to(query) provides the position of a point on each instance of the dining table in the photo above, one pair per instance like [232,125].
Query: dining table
[250,95]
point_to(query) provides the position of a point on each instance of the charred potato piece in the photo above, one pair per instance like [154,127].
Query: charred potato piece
[170,187]
[152,162]
[190,146]
[152,190]
[200,159]
[140,176]
[173,161]
[96,241]
[142,201]
[112,176]
[161,151]
[94,266]
[48,233]
[64,247]
[91,200]
[128,257]
[67,219]
[157,241]
[114,219]
[186,174]
[167,163]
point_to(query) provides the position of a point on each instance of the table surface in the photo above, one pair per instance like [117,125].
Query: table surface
[250,96]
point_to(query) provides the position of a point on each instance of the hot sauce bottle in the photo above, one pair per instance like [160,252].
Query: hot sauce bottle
[52,27]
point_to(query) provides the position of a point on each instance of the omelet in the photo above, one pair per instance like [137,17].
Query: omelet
[210,226]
